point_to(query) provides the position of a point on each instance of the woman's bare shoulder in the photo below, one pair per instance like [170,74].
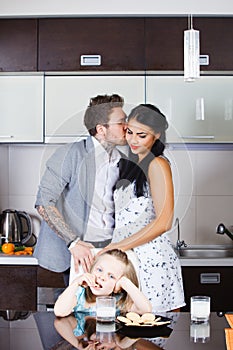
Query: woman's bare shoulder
[159,162]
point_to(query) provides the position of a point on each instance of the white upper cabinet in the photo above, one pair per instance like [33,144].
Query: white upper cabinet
[198,112]
[21,108]
[67,97]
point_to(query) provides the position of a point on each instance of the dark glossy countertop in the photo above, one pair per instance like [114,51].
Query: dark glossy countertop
[36,330]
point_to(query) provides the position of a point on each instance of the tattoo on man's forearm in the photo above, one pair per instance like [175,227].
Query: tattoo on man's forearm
[56,222]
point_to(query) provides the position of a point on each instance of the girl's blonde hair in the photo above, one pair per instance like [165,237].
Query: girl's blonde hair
[124,302]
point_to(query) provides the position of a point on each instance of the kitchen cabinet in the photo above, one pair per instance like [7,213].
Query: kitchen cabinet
[213,281]
[164,38]
[198,112]
[21,108]
[164,43]
[67,97]
[18,42]
[119,42]
[18,287]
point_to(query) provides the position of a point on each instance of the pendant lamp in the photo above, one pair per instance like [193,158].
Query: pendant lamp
[191,52]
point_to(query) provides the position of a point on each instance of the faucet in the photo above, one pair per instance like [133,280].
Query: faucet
[179,243]
[221,229]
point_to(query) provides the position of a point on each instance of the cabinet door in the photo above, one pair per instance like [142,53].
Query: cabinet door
[164,42]
[18,42]
[21,108]
[199,112]
[215,282]
[67,97]
[119,41]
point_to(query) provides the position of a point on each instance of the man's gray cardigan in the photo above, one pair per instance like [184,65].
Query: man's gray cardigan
[68,183]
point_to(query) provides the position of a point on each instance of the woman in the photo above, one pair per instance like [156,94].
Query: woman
[144,204]
[112,273]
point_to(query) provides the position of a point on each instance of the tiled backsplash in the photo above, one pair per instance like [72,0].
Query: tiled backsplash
[203,184]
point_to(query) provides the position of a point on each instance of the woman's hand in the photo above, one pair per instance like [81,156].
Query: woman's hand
[109,247]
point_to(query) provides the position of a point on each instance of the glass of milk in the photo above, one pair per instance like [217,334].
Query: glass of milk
[105,309]
[200,308]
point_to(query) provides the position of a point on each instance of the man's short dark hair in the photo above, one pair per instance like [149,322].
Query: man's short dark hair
[99,110]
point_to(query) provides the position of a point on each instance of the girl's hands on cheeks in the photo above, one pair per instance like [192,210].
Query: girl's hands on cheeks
[119,284]
[86,280]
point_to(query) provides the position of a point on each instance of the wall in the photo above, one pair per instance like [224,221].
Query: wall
[106,7]
[203,187]
[203,178]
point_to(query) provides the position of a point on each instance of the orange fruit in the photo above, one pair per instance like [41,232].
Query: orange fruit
[28,249]
[8,248]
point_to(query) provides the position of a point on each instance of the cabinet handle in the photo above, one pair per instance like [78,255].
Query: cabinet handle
[210,278]
[198,137]
[90,60]
[6,136]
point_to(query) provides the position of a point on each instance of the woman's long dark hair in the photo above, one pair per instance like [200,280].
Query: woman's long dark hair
[130,169]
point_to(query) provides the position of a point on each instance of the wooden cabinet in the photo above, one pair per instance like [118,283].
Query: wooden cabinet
[215,282]
[67,97]
[199,112]
[119,41]
[18,42]
[21,108]
[124,43]
[164,48]
[164,42]
[18,287]
[216,41]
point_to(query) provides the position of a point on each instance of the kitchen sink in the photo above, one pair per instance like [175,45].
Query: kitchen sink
[205,252]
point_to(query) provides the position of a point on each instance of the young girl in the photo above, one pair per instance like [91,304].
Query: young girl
[112,273]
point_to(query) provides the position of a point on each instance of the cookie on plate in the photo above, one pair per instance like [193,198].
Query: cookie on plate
[147,317]
[124,319]
[133,316]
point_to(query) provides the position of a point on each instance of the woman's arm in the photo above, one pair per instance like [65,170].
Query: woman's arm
[140,303]
[161,187]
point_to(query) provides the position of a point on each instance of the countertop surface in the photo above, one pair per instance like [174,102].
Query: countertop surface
[206,262]
[184,261]
[187,261]
[17,260]
[37,331]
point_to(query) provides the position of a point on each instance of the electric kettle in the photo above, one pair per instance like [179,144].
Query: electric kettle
[15,227]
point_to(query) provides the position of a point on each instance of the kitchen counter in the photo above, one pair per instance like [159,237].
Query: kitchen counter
[18,275]
[36,331]
[30,260]
[207,258]
[6,259]
[206,262]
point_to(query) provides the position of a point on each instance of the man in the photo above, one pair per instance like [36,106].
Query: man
[75,196]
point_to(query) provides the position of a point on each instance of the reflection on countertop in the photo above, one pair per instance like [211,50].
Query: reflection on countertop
[43,331]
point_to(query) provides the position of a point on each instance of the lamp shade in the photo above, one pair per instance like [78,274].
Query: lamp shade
[191,55]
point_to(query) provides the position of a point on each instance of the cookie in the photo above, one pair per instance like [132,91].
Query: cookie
[147,317]
[123,319]
[161,323]
[133,316]
[134,323]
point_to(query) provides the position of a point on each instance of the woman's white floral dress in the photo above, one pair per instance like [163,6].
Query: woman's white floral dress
[159,267]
